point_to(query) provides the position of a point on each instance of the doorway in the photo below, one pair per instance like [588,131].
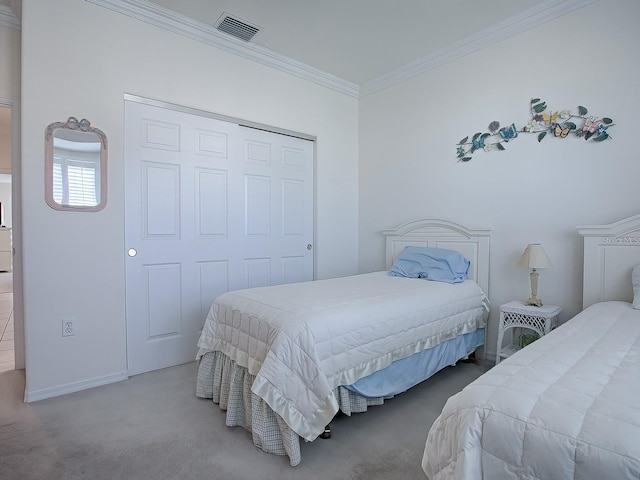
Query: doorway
[7,346]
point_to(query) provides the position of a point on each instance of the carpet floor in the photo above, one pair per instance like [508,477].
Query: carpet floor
[152,426]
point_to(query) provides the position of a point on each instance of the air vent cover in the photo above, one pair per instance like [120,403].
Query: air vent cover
[236,27]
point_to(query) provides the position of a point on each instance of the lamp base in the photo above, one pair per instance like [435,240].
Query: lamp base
[536,302]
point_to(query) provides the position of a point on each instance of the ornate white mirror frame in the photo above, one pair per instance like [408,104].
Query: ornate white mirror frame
[75,166]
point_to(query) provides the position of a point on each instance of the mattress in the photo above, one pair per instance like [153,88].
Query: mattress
[565,407]
[301,341]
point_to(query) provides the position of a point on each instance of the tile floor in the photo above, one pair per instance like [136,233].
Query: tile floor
[7,361]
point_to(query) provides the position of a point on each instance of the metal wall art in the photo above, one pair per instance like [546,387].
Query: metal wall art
[559,124]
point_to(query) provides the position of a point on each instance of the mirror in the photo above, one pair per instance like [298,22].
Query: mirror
[75,166]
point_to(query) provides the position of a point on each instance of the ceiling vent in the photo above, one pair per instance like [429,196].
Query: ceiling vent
[236,27]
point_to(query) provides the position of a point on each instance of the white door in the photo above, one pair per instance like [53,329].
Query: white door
[211,206]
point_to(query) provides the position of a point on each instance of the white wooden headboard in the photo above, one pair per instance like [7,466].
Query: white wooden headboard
[472,243]
[610,253]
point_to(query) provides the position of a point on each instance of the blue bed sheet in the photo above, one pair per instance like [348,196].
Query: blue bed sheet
[407,372]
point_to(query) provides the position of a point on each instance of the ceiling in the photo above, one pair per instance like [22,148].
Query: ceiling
[361,41]
[357,40]
[14,5]
[354,46]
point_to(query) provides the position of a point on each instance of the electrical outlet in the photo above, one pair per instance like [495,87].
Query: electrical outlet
[68,327]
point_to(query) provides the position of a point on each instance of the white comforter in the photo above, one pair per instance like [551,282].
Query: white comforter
[565,407]
[302,340]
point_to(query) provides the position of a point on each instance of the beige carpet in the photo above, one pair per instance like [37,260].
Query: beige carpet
[153,427]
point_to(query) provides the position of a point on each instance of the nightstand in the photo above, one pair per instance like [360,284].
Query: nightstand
[516,314]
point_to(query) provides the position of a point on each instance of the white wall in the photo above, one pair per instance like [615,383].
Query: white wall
[74,262]
[10,63]
[531,192]
[5,140]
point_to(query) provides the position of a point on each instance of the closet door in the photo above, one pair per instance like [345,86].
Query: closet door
[211,206]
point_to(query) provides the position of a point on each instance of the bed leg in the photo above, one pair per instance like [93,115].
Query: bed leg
[326,433]
[471,358]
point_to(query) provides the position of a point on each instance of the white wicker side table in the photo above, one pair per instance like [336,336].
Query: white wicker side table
[516,314]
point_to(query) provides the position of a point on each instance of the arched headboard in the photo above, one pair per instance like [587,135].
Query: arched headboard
[472,243]
[610,253]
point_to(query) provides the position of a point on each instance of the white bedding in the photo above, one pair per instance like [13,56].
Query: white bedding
[302,340]
[565,407]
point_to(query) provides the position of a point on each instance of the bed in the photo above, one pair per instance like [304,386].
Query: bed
[566,406]
[284,360]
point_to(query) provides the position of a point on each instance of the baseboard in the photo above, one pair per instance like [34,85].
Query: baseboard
[490,356]
[35,395]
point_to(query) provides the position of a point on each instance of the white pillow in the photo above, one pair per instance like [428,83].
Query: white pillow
[635,281]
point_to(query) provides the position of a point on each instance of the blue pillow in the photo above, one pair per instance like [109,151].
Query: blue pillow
[437,264]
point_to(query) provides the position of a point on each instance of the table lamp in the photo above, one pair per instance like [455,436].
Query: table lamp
[534,257]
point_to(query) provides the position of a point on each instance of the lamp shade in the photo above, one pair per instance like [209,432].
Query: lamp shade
[534,256]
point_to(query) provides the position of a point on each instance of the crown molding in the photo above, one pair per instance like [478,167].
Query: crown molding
[509,27]
[164,18]
[177,23]
[8,18]
[7,101]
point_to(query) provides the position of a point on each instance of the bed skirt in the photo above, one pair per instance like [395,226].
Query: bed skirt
[229,385]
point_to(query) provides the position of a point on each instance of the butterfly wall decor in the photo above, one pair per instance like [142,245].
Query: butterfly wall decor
[560,123]
[508,133]
[558,131]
